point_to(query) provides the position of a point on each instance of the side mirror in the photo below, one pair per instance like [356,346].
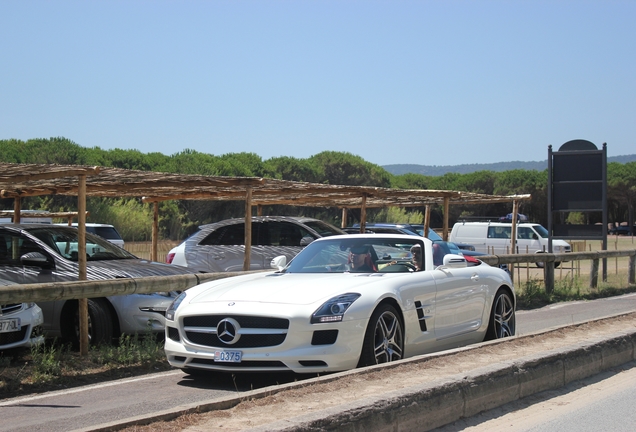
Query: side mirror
[35,259]
[306,240]
[279,262]
[455,261]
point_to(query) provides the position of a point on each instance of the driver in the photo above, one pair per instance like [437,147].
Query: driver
[416,256]
[360,257]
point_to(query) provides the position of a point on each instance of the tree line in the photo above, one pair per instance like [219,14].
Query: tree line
[180,218]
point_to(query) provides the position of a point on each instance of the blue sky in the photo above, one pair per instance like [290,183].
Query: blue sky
[395,82]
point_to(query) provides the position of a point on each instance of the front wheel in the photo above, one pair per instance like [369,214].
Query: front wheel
[100,323]
[502,321]
[384,337]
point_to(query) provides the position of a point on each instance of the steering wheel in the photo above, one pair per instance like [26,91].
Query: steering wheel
[409,265]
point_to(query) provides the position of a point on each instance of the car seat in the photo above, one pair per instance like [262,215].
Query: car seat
[438,255]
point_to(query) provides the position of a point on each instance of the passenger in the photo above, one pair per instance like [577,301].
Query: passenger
[416,256]
[361,260]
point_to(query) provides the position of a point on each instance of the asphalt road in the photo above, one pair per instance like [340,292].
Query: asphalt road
[604,402]
[86,406]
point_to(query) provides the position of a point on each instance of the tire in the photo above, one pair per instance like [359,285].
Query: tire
[384,337]
[541,265]
[502,321]
[100,323]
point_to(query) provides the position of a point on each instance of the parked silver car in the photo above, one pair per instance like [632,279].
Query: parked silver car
[41,253]
[219,247]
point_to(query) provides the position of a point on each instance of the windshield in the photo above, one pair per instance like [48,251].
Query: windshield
[64,241]
[541,231]
[323,228]
[366,255]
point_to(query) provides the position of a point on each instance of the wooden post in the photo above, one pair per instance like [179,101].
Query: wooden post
[631,269]
[513,235]
[343,223]
[594,274]
[17,207]
[259,210]
[446,215]
[81,261]
[548,276]
[363,215]
[427,220]
[155,231]
[248,229]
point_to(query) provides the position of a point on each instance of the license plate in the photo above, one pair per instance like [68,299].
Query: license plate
[10,325]
[228,356]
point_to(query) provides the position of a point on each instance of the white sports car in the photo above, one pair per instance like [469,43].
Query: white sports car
[343,302]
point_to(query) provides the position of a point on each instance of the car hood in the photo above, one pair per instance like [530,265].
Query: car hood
[285,288]
[131,268]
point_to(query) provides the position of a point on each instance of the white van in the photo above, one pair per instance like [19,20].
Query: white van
[494,237]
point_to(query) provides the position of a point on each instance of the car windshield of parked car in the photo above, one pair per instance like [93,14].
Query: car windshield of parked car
[355,255]
[64,241]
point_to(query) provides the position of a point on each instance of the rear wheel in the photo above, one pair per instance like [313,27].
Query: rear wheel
[384,337]
[502,317]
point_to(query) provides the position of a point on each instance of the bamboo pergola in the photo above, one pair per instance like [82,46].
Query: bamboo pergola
[24,180]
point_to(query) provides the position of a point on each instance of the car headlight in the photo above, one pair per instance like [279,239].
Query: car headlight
[333,309]
[174,305]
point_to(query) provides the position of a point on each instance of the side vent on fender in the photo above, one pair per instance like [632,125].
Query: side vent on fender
[420,315]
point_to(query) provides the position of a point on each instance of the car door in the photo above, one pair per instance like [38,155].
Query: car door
[459,302]
[527,240]
[499,239]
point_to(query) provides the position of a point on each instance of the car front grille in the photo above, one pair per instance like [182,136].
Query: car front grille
[13,337]
[255,332]
[324,337]
[11,308]
[243,364]
[173,334]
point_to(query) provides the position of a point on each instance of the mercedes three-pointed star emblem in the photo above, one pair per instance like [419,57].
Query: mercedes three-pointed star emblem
[228,331]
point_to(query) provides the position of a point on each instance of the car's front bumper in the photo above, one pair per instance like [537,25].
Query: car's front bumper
[302,351]
[30,333]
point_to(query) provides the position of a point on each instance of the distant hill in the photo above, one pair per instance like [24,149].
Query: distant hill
[435,170]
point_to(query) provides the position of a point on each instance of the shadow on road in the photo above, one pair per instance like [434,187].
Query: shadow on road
[239,382]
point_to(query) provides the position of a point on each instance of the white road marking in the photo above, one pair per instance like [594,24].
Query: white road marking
[85,388]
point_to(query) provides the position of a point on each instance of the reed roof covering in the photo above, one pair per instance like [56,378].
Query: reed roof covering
[22,180]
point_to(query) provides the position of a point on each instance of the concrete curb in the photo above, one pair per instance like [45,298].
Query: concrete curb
[436,403]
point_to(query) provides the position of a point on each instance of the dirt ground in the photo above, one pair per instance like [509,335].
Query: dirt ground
[317,394]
